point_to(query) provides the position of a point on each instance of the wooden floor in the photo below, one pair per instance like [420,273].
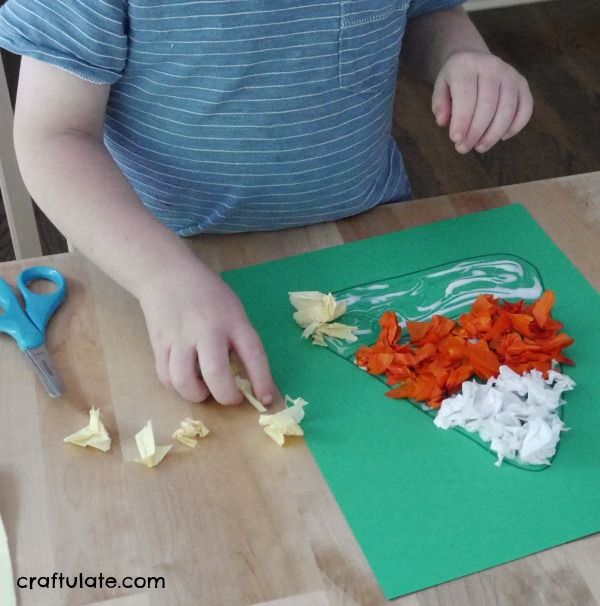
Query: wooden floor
[556,45]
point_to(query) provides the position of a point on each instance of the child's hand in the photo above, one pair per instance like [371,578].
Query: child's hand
[482,98]
[194,319]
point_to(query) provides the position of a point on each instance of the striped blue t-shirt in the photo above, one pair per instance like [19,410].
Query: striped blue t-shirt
[237,115]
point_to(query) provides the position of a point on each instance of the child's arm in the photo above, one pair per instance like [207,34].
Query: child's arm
[481,97]
[192,315]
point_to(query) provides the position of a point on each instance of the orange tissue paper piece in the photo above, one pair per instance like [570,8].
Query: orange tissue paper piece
[442,353]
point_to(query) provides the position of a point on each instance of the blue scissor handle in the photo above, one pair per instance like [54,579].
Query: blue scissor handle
[40,307]
[15,322]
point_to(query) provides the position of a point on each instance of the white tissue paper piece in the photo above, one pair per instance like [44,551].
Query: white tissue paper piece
[517,414]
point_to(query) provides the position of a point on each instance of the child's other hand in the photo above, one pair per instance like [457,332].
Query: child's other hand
[194,319]
[482,98]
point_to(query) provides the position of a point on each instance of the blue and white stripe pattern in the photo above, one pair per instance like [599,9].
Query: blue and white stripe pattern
[237,115]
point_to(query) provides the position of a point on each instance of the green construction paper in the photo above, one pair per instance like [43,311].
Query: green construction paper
[427,505]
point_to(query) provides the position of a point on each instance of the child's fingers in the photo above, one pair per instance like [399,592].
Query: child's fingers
[505,113]
[441,102]
[161,361]
[523,113]
[213,355]
[463,91]
[488,91]
[184,375]
[250,350]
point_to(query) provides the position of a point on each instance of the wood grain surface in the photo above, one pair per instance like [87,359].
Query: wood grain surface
[238,521]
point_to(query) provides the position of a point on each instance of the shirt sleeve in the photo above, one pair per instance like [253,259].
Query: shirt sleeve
[420,7]
[88,39]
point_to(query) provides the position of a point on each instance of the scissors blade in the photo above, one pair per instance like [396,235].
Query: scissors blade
[44,367]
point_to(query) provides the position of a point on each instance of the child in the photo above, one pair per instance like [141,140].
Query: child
[141,121]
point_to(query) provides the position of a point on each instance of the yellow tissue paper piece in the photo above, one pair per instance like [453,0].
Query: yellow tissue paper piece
[313,306]
[315,312]
[286,422]
[335,329]
[94,434]
[245,387]
[190,430]
[7,588]
[150,454]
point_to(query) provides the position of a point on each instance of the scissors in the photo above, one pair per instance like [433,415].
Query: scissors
[28,326]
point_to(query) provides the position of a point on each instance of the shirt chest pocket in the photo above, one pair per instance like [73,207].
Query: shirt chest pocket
[369,44]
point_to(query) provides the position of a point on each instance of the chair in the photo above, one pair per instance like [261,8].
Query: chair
[17,202]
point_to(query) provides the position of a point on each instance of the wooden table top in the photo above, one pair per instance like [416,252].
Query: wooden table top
[228,523]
